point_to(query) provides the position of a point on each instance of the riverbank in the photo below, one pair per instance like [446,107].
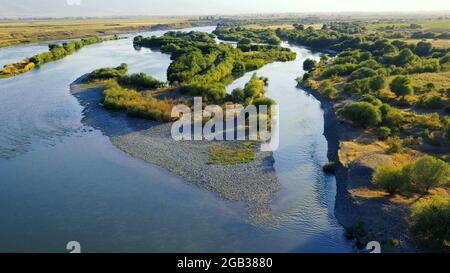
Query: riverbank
[365,215]
[24,32]
[252,183]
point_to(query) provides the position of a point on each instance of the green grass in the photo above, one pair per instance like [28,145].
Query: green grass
[225,153]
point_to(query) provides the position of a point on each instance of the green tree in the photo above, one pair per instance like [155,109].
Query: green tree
[430,221]
[309,65]
[428,172]
[401,86]
[391,178]
[423,49]
[405,56]
[238,95]
[378,83]
[363,114]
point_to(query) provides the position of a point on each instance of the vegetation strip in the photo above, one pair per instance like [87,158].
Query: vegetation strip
[56,52]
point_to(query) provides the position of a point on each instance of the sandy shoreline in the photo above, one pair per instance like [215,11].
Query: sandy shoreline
[253,183]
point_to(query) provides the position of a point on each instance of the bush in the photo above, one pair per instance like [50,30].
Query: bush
[264,102]
[363,72]
[430,221]
[372,100]
[401,86]
[327,89]
[108,73]
[392,179]
[427,101]
[377,83]
[395,144]
[213,93]
[330,167]
[254,87]
[445,59]
[339,70]
[238,95]
[383,132]
[429,172]
[140,81]
[362,114]
[309,65]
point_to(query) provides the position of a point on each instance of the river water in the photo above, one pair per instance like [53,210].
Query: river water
[62,181]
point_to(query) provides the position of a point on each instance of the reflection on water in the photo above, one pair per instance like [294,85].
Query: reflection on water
[62,181]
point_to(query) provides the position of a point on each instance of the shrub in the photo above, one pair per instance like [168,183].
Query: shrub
[430,221]
[309,65]
[391,117]
[362,114]
[395,144]
[446,130]
[383,132]
[371,99]
[401,86]
[108,73]
[264,102]
[330,167]
[238,95]
[428,172]
[430,86]
[327,89]
[363,72]
[339,70]
[427,101]
[423,48]
[377,83]
[445,59]
[209,92]
[140,81]
[391,178]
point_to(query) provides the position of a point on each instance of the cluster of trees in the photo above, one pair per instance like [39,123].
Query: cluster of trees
[387,121]
[247,35]
[119,74]
[370,64]
[56,52]
[421,175]
[430,218]
[345,27]
[362,113]
[107,73]
[253,90]
[140,81]
[375,75]
[395,57]
[201,67]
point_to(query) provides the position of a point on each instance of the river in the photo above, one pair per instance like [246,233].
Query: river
[64,181]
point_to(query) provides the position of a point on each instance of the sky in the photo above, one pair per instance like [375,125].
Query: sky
[61,8]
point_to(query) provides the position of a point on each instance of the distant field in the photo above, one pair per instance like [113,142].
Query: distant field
[275,26]
[439,43]
[15,32]
[431,25]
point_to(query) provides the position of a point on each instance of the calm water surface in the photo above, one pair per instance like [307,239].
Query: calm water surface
[62,181]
